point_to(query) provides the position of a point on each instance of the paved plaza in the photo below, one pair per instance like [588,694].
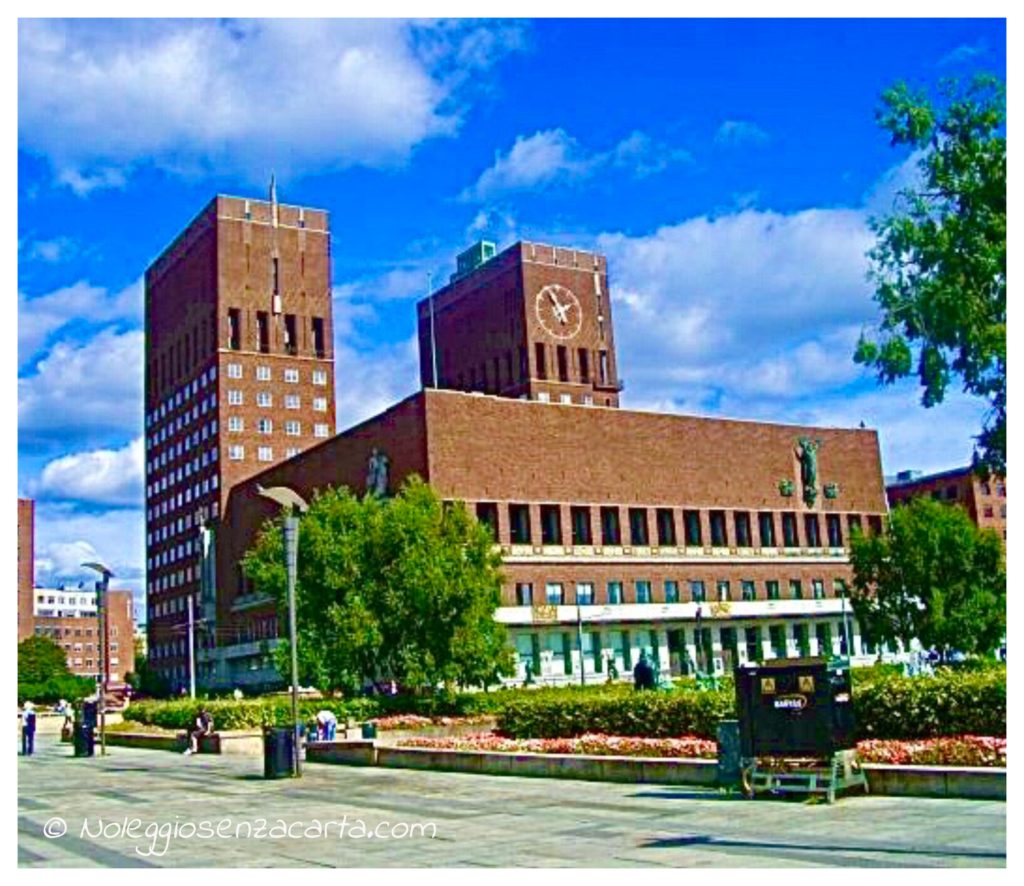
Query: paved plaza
[154,808]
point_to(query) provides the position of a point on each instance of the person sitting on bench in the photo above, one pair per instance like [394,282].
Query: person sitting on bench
[204,726]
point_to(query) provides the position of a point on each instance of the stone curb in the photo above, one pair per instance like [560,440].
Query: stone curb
[980,783]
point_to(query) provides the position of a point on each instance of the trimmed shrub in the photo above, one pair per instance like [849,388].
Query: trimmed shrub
[229,714]
[952,702]
[616,711]
[886,705]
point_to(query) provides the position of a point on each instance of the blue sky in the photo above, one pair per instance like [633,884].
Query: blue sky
[727,168]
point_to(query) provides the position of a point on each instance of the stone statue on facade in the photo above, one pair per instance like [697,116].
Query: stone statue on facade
[377,473]
[807,452]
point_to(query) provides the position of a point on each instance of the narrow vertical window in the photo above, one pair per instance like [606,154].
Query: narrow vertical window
[291,341]
[263,331]
[318,337]
[584,358]
[540,357]
[562,355]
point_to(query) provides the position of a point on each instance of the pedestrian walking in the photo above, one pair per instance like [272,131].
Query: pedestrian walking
[28,728]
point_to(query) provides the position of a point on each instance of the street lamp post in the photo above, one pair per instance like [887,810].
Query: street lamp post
[292,504]
[101,617]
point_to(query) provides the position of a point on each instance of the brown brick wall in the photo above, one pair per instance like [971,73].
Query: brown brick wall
[494,449]
[26,565]
[984,500]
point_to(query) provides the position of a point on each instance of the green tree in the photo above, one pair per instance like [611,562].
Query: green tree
[40,659]
[939,264]
[402,589]
[43,673]
[933,575]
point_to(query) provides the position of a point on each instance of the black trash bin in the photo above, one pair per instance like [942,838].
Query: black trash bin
[278,752]
[84,740]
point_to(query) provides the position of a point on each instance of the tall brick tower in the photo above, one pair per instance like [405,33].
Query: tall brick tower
[26,565]
[239,376]
[531,322]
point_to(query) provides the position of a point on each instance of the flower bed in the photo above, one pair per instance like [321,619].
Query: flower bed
[412,722]
[964,750]
[595,745]
[960,750]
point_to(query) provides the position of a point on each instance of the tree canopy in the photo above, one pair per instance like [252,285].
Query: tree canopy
[933,575]
[43,673]
[939,263]
[401,589]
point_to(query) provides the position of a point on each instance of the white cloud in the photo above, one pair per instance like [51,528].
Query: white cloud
[41,316]
[101,476]
[733,133]
[966,52]
[553,157]
[372,380]
[51,251]
[79,389]
[883,197]
[66,538]
[292,95]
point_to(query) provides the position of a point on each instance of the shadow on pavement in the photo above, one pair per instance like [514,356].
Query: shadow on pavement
[726,843]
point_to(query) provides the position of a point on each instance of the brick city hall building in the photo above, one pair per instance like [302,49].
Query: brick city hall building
[706,542]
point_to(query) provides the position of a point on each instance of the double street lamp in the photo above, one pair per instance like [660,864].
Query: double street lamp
[292,504]
[102,586]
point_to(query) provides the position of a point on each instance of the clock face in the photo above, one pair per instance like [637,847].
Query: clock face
[558,311]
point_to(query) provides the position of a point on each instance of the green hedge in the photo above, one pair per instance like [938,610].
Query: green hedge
[245,714]
[886,705]
[953,702]
[68,687]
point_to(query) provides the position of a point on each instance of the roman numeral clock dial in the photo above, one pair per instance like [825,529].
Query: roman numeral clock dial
[558,311]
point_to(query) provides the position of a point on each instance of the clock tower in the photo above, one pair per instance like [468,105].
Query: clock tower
[531,322]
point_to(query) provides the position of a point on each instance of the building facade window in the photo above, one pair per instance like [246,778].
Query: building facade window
[796,591]
[236,423]
[611,533]
[818,588]
[643,591]
[580,517]
[236,453]
[614,592]
[550,525]
[666,527]
[723,591]
[748,590]
[671,591]
[524,594]
[319,430]
[697,594]
[691,521]
[585,593]
[638,527]
[292,428]
[319,404]
[291,376]
[789,536]
[265,453]
[554,593]
[265,425]
[771,588]
[234,370]
[717,521]
[834,526]
[743,534]
[234,398]
[319,377]
[812,530]
[519,524]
